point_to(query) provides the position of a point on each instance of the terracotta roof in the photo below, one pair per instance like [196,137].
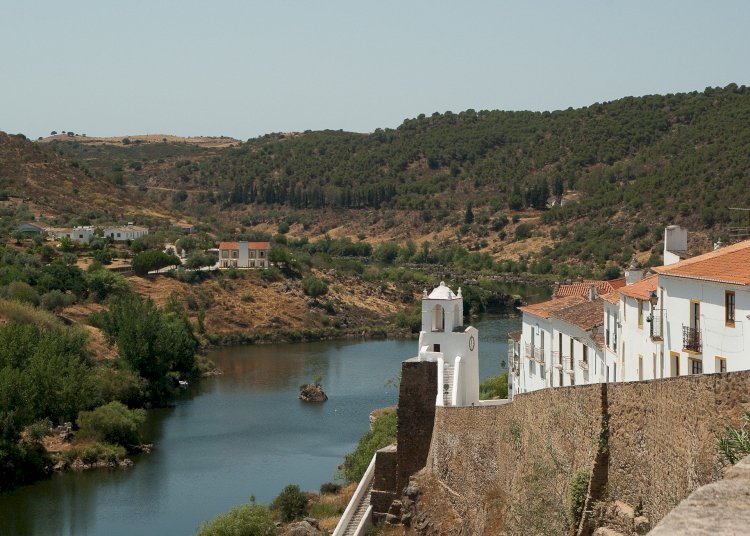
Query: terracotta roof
[642,289]
[618,283]
[730,264]
[585,315]
[250,245]
[515,335]
[547,308]
[581,288]
[612,297]
[599,339]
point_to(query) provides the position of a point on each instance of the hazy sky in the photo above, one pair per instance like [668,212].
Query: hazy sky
[245,68]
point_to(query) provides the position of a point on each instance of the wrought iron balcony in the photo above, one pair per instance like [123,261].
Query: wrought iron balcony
[655,319]
[691,339]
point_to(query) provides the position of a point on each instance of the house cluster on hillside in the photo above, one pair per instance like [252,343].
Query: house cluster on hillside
[84,234]
[687,317]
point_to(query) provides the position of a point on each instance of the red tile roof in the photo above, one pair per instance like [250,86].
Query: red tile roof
[585,315]
[612,297]
[515,335]
[547,308]
[730,264]
[250,245]
[641,290]
[581,288]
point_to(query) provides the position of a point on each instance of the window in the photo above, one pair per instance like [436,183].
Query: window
[585,354]
[572,354]
[560,378]
[640,314]
[435,347]
[729,308]
[640,367]
[235,253]
[224,254]
[675,359]
[654,371]
[252,253]
[696,366]
[721,364]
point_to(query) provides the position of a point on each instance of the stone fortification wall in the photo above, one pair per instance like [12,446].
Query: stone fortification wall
[507,469]
[662,436]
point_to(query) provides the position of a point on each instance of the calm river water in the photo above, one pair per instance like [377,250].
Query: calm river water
[228,437]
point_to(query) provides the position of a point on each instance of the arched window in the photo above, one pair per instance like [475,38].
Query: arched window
[438,318]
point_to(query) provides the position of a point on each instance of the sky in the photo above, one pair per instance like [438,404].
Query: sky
[247,68]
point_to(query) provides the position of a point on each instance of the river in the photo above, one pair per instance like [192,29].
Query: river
[232,436]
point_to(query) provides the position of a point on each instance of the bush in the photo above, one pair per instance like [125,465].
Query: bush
[577,491]
[199,260]
[22,292]
[94,453]
[314,287]
[523,231]
[387,252]
[290,503]
[55,300]
[383,433]
[113,422]
[329,488]
[270,275]
[246,520]
[494,387]
[103,284]
[734,444]
[103,256]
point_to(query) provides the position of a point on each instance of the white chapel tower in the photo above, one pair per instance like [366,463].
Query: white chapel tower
[455,349]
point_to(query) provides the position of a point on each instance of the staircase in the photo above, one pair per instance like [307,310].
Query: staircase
[357,517]
[352,528]
[447,384]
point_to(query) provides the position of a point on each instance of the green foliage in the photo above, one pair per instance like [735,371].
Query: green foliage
[113,423]
[55,300]
[151,342]
[150,260]
[22,292]
[291,503]
[734,443]
[410,318]
[199,260]
[387,252]
[103,283]
[96,452]
[383,433]
[246,520]
[578,488]
[494,387]
[322,510]
[314,287]
[270,275]
[523,231]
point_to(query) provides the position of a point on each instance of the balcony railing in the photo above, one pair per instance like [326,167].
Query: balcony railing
[534,352]
[583,364]
[655,320]
[691,339]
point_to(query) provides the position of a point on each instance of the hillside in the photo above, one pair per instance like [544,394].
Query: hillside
[621,170]
[36,182]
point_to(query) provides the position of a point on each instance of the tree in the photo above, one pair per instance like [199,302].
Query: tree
[387,252]
[314,287]
[469,216]
[147,261]
[199,260]
[113,423]
[246,520]
[291,503]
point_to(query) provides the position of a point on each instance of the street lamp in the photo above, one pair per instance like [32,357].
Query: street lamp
[653,299]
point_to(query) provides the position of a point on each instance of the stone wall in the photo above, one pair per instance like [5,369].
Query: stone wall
[662,436]
[506,469]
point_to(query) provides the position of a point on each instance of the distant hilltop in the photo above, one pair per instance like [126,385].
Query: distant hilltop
[202,141]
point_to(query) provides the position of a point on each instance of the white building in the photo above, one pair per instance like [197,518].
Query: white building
[82,234]
[562,344]
[125,232]
[705,304]
[244,254]
[443,339]
[688,318]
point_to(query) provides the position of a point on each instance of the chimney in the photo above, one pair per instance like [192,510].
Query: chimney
[593,292]
[634,273]
[675,243]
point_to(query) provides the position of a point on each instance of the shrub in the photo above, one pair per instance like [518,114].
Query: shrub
[734,444]
[383,433]
[22,292]
[314,287]
[55,300]
[113,422]
[523,231]
[387,252]
[103,256]
[94,453]
[330,488]
[290,503]
[270,275]
[577,491]
[494,387]
[246,520]
[104,283]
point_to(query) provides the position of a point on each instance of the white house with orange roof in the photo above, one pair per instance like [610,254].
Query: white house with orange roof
[244,254]
[706,310]
[641,352]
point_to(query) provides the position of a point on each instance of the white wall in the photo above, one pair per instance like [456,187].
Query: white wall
[718,339]
[641,356]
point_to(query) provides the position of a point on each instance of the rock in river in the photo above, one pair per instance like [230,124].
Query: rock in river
[312,392]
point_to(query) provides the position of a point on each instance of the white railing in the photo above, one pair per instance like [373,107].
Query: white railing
[440,366]
[355,501]
[456,376]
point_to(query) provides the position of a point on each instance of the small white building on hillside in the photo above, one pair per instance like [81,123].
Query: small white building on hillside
[125,232]
[82,234]
[452,346]
[244,254]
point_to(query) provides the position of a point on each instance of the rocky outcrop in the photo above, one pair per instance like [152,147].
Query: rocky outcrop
[307,527]
[312,392]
